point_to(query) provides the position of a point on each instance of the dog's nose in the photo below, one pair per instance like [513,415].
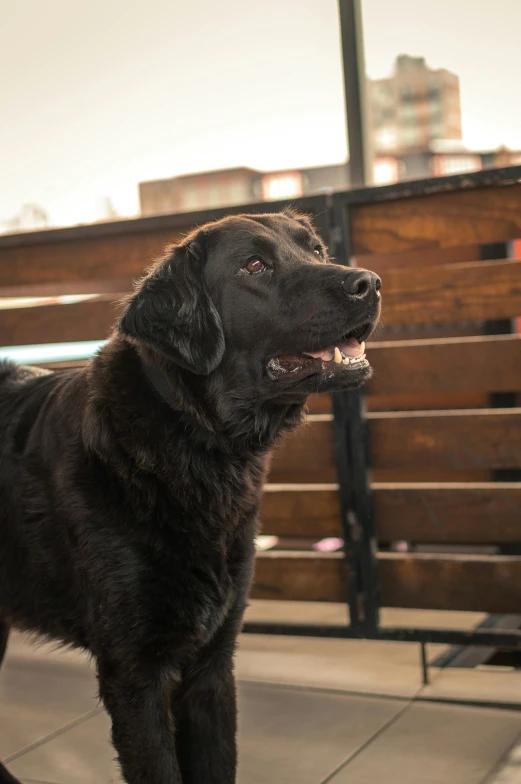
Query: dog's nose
[360,282]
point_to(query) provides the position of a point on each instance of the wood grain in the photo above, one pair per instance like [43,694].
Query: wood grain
[447,366]
[306,456]
[301,510]
[477,513]
[441,220]
[88,320]
[430,257]
[429,513]
[304,577]
[489,584]
[457,292]
[461,440]
[88,258]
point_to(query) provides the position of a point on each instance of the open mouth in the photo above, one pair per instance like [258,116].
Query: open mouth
[346,355]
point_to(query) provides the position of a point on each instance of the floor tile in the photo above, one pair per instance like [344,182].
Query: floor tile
[435,744]
[368,667]
[490,684]
[286,736]
[294,737]
[509,772]
[39,693]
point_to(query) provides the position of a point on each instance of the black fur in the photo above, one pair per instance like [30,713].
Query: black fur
[129,490]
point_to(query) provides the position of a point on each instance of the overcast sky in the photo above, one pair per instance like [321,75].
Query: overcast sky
[96,96]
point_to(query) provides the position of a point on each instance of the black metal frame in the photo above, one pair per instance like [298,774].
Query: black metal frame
[351,454]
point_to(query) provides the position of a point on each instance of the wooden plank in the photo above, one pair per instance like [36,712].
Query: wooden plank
[319,404]
[301,510]
[441,220]
[428,402]
[439,444]
[431,474]
[450,365]
[430,582]
[68,287]
[430,257]
[466,440]
[75,260]
[457,292]
[488,583]
[429,513]
[398,332]
[306,456]
[89,320]
[304,577]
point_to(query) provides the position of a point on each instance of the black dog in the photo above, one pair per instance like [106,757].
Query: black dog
[129,490]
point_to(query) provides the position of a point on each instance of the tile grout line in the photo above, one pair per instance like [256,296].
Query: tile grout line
[55,734]
[500,764]
[337,691]
[419,696]
[363,746]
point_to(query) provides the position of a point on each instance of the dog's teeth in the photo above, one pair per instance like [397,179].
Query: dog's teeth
[345,361]
[338,356]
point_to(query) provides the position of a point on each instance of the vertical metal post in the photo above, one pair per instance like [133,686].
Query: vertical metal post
[360,157]
[424,663]
[352,452]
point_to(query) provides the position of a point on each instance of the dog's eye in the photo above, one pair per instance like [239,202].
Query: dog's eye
[255,265]
[317,250]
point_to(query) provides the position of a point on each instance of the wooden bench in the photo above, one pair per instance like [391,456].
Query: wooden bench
[436,451]
[435,465]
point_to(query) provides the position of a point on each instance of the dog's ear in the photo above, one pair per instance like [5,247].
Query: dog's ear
[172,313]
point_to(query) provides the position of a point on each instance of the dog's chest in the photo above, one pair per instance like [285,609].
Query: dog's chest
[197,575]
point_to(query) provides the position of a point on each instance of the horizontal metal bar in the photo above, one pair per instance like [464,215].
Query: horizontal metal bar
[491,638]
[316,204]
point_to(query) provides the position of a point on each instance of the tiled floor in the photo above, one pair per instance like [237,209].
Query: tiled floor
[300,720]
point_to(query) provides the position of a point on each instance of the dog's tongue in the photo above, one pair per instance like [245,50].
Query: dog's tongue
[351,347]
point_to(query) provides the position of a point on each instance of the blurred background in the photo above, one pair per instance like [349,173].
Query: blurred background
[111,110]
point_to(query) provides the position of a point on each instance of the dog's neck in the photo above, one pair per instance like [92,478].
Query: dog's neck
[213,415]
[241,425]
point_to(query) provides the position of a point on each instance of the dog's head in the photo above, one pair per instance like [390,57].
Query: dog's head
[253,300]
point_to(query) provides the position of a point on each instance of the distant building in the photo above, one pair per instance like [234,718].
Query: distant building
[439,158]
[193,192]
[414,107]
[229,187]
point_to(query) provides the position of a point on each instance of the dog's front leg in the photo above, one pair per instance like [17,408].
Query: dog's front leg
[142,725]
[206,722]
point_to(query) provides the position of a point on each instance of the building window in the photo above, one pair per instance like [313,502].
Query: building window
[385,138]
[456,164]
[385,170]
[285,185]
